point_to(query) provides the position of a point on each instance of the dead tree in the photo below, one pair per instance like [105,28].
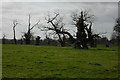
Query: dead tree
[58,28]
[14,25]
[81,35]
[84,35]
[57,25]
[91,37]
[28,34]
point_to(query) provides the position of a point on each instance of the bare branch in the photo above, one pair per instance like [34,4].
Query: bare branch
[29,23]
[49,28]
[35,25]
[52,18]
[15,23]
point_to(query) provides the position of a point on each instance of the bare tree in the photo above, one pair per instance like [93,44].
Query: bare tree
[92,37]
[58,28]
[28,34]
[14,25]
[82,20]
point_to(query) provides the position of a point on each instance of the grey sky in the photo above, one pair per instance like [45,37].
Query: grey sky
[60,1]
[105,15]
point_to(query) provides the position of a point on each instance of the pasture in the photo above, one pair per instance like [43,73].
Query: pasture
[31,61]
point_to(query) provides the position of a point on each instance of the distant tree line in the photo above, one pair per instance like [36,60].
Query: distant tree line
[50,41]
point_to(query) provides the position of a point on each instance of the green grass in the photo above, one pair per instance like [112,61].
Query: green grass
[0,61]
[30,61]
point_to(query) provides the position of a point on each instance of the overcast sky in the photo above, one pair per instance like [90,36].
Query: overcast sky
[105,15]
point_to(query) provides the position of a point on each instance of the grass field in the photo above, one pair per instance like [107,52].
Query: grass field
[30,61]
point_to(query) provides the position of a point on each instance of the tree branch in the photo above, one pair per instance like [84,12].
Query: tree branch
[53,18]
[15,23]
[34,25]
[29,17]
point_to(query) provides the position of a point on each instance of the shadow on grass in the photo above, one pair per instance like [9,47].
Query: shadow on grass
[103,49]
[98,49]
